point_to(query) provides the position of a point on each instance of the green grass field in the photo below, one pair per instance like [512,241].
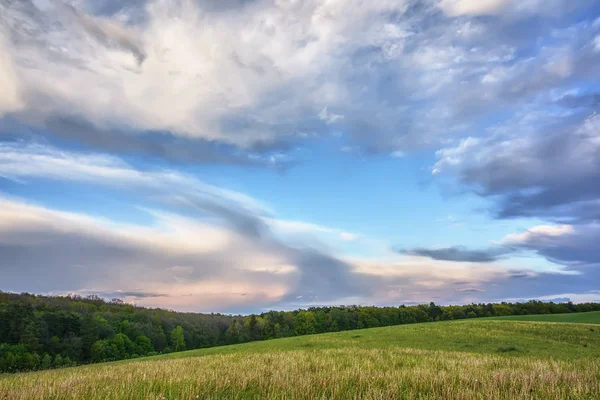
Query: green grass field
[467,359]
[586,317]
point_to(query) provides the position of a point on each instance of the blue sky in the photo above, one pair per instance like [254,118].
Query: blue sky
[241,156]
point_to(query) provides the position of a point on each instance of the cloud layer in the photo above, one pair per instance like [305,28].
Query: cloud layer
[105,94]
[261,75]
[209,248]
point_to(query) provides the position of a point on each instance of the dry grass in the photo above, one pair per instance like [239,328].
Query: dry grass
[311,374]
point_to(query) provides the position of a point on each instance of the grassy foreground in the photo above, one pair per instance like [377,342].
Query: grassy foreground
[467,359]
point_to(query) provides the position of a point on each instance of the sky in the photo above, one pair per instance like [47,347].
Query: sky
[240,156]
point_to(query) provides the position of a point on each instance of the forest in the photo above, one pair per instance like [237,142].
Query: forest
[42,332]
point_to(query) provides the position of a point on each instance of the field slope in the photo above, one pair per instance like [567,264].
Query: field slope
[467,359]
[592,317]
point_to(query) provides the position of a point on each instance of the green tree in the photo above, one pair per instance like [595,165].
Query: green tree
[58,361]
[177,339]
[158,337]
[10,361]
[46,362]
[30,337]
[304,323]
[143,345]
[124,346]
[277,331]
[233,333]
[97,351]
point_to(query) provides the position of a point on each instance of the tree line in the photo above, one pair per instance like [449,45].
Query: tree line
[41,332]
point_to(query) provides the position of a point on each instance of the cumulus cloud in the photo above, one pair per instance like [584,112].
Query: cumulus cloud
[540,165]
[543,164]
[262,75]
[575,246]
[226,76]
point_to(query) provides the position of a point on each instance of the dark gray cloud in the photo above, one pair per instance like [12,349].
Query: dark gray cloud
[573,246]
[320,275]
[159,144]
[545,284]
[122,294]
[458,253]
[548,171]
[543,161]
[324,278]
[520,275]
[469,290]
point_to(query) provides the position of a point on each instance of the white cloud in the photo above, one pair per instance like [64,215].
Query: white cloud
[100,255]
[216,76]
[540,231]
[269,72]
[291,228]
[473,7]
[330,117]
[214,260]
[21,161]
[188,264]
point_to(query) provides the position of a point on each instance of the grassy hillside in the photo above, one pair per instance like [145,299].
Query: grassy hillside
[44,332]
[466,359]
[586,317]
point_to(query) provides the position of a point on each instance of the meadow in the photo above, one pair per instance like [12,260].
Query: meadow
[584,317]
[467,359]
